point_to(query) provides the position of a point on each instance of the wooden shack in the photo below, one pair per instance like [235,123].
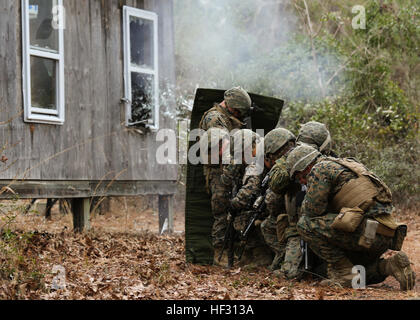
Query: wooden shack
[84,88]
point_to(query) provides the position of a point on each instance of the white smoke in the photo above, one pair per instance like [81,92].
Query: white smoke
[253,43]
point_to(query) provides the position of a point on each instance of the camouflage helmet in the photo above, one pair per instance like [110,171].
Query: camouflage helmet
[212,137]
[300,158]
[316,135]
[277,139]
[237,98]
[247,139]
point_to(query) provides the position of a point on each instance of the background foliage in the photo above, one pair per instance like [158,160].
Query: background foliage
[363,84]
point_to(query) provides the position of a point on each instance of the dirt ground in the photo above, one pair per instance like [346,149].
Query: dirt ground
[123,257]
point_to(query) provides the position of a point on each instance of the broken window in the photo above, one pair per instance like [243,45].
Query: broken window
[141,68]
[43,60]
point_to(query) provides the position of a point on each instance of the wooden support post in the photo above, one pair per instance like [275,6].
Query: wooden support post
[81,214]
[166,219]
[50,204]
[48,209]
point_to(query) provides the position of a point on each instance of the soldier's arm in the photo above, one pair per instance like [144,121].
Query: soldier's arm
[274,203]
[229,175]
[249,190]
[319,185]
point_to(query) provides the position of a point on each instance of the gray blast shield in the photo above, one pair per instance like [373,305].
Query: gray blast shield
[198,216]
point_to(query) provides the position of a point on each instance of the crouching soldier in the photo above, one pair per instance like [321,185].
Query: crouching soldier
[226,115]
[244,175]
[276,144]
[346,219]
[317,135]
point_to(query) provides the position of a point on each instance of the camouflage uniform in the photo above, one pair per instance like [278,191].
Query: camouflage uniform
[274,208]
[281,184]
[219,203]
[248,185]
[317,135]
[218,117]
[341,249]
[247,179]
[256,252]
[326,179]
[276,144]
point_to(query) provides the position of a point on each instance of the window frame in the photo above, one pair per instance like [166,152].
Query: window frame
[33,114]
[129,12]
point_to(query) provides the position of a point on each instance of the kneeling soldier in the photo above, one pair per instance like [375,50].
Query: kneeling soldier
[276,145]
[346,219]
[318,136]
[247,177]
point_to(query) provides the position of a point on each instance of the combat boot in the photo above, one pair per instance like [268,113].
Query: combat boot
[399,267]
[223,261]
[339,273]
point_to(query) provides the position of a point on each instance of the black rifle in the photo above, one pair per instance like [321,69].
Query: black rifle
[257,210]
[230,234]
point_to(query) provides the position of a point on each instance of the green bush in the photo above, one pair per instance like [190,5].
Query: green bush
[391,156]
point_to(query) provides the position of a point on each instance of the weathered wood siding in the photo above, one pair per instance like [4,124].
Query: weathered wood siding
[93,144]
